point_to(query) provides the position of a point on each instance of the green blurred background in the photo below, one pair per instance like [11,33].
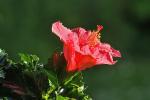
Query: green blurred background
[25,26]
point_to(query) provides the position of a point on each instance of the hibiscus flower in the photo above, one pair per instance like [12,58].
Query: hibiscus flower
[83,49]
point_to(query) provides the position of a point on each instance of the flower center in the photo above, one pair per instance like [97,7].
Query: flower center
[93,39]
[94,36]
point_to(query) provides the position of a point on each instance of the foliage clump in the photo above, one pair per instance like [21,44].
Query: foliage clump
[28,79]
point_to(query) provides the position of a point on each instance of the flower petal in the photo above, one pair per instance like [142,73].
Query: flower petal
[61,31]
[84,61]
[115,53]
[69,53]
[82,34]
[105,54]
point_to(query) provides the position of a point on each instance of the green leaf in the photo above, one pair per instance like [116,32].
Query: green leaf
[75,77]
[5,98]
[75,86]
[53,84]
[2,75]
[86,97]
[30,62]
[47,95]
[29,59]
[3,57]
[51,76]
[2,53]
[59,97]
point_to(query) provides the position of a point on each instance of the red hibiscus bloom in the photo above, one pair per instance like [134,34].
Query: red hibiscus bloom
[83,49]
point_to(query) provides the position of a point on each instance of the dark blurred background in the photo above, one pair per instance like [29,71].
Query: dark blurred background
[25,26]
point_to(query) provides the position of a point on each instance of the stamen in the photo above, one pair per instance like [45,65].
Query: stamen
[94,37]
